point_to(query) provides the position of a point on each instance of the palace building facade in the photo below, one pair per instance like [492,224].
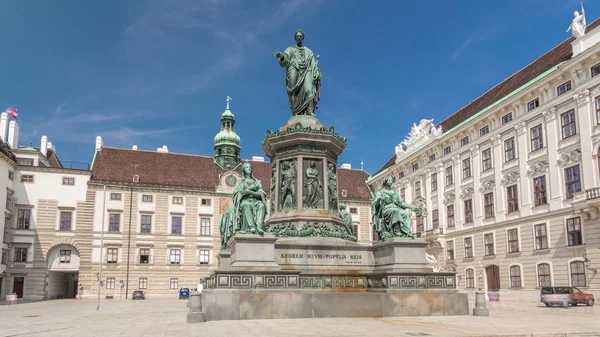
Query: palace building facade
[511,181]
[136,219]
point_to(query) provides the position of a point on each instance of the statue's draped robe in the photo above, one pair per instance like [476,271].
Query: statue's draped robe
[390,214]
[303,79]
[332,185]
[311,197]
[347,218]
[288,190]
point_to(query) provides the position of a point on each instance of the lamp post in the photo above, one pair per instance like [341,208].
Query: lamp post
[101,248]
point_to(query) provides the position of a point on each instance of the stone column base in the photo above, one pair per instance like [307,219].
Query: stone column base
[253,252]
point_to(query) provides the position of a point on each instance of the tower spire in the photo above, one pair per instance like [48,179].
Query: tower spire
[227,142]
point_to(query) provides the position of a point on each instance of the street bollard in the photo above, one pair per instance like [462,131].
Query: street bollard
[195,304]
[480,305]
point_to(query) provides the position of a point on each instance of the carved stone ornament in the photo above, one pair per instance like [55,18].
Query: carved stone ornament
[520,128]
[537,168]
[550,114]
[449,198]
[569,158]
[434,203]
[596,90]
[420,202]
[510,178]
[487,186]
[496,139]
[419,134]
[466,193]
[582,97]
[474,150]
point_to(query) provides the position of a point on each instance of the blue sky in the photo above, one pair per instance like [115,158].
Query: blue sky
[157,72]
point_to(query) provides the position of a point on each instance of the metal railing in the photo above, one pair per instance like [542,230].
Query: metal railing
[592,193]
[75,165]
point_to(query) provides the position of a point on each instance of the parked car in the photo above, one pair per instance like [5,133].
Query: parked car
[138,294]
[564,296]
[184,293]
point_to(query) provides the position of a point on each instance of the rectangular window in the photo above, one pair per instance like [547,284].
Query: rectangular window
[450,215]
[401,175]
[567,121]
[466,168]
[447,150]
[4,257]
[537,138]
[178,200]
[415,166]
[68,181]
[578,274]
[355,229]
[420,226]
[574,235]
[114,224]
[175,256]
[563,88]
[533,104]
[147,198]
[449,178]
[515,277]
[513,240]
[112,255]
[539,190]
[595,70]
[174,283]
[65,221]
[65,256]
[176,225]
[353,210]
[488,203]
[203,256]
[23,218]
[110,283]
[464,141]
[507,118]
[204,226]
[488,240]
[509,149]
[143,283]
[11,174]
[572,180]
[146,225]
[541,237]
[417,189]
[468,242]
[115,196]
[20,254]
[512,198]
[25,161]
[470,279]
[144,255]
[434,182]
[469,211]
[450,250]
[486,159]
[597,113]
[9,200]
[484,130]
[402,194]
[26,178]
[431,157]
[543,270]
[206,202]
[435,219]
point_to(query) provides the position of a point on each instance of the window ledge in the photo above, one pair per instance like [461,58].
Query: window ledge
[575,246]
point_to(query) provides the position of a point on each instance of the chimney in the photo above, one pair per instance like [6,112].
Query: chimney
[346,166]
[3,126]
[99,143]
[44,146]
[163,149]
[50,147]
[258,158]
[13,134]
[134,147]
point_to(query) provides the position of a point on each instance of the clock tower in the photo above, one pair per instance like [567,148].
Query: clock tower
[227,142]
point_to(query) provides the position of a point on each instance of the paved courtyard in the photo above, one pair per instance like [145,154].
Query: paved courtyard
[167,317]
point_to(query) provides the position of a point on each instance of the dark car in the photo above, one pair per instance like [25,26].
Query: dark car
[564,296]
[184,293]
[138,294]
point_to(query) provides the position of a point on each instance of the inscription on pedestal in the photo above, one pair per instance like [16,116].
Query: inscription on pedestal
[322,258]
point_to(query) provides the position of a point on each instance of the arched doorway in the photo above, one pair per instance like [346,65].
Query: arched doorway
[492,274]
[63,272]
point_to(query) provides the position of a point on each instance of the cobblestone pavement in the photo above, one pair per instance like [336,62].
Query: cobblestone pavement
[167,317]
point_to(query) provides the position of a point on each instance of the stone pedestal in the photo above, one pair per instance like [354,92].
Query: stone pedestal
[401,255]
[480,305]
[224,259]
[195,304]
[252,252]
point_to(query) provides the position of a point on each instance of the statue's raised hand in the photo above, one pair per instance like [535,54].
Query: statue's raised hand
[277,54]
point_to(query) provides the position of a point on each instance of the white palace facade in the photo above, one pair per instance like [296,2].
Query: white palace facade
[511,182]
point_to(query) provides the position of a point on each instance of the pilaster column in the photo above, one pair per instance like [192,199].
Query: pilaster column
[554,179]
[477,198]
[459,214]
[426,188]
[585,117]
[497,160]
[439,169]
[525,185]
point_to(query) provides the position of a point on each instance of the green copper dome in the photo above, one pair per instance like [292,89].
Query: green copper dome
[227,142]
[227,136]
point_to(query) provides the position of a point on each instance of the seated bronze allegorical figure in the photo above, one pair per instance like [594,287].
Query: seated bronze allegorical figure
[391,217]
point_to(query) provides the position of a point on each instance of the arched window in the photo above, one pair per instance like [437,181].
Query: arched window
[470,279]
[578,274]
[544,279]
[515,277]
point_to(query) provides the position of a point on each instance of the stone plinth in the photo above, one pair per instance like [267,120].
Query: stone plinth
[224,259]
[401,255]
[252,252]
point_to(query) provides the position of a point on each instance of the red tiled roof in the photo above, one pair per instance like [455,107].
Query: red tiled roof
[558,54]
[175,170]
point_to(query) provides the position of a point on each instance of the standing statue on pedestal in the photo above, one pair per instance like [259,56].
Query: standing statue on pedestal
[303,77]
[312,186]
[578,24]
[247,215]
[347,218]
[332,187]
[390,213]
[287,194]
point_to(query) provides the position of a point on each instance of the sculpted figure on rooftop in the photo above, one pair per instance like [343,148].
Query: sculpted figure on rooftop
[578,24]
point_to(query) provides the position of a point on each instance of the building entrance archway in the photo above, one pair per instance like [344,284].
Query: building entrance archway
[492,274]
[63,272]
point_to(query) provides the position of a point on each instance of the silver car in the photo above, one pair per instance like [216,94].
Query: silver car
[556,296]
